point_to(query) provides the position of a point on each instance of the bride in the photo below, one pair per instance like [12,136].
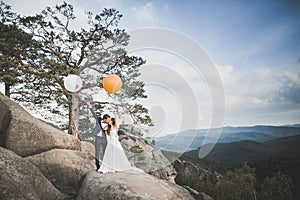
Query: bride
[114,158]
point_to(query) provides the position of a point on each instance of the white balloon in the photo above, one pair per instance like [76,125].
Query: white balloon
[73,83]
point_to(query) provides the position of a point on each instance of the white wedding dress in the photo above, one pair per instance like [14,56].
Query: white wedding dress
[114,158]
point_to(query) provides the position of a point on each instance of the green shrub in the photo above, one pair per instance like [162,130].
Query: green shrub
[136,149]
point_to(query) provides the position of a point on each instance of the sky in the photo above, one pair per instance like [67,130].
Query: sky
[254,47]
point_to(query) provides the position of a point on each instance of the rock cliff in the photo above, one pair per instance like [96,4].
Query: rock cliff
[26,135]
[146,156]
[20,179]
[133,186]
[38,161]
[191,171]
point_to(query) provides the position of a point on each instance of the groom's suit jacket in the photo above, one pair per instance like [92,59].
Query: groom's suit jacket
[98,128]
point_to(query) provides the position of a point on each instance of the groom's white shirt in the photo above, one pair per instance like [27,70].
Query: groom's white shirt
[103,124]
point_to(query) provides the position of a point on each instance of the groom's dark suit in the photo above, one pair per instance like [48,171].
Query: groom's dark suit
[100,137]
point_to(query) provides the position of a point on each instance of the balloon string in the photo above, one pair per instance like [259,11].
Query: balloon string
[110,100]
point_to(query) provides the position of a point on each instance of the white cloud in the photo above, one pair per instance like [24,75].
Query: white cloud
[293,77]
[258,83]
[108,3]
[174,86]
[260,96]
[31,7]
[22,7]
[145,14]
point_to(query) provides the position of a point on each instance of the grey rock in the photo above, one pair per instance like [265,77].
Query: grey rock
[198,195]
[144,155]
[26,135]
[19,179]
[89,149]
[203,196]
[64,168]
[178,165]
[191,171]
[54,160]
[133,130]
[133,186]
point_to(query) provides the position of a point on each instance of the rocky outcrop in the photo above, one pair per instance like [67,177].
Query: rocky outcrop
[89,150]
[198,195]
[38,161]
[133,130]
[26,135]
[187,168]
[64,168]
[133,186]
[19,179]
[191,171]
[144,155]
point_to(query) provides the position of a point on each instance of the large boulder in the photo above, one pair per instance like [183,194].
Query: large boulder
[198,195]
[19,179]
[146,156]
[133,186]
[39,160]
[89,149]
[187,168]
[133,130]
[191,171]
[25,135]
[64,168]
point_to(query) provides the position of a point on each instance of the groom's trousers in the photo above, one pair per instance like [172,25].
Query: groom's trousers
[99,141]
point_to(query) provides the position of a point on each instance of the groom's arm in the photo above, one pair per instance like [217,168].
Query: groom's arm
[92,110]
[99,120]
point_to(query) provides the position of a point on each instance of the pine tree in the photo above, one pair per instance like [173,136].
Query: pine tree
[55,49]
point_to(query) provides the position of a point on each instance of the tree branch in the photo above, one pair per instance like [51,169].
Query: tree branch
[23,65]
[106,102]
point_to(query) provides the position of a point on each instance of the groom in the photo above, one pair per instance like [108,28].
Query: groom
[99,133]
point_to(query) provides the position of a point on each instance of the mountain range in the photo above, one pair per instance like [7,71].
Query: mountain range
[278,156]
[247,150]
[194,138]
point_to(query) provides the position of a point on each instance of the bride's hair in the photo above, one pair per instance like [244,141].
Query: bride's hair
[113,121]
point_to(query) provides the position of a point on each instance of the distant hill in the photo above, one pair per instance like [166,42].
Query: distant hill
[246,150]
[266,158]
[293,125]
[285,144]
[193,139]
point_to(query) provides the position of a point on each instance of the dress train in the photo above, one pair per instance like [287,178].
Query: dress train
[114,158]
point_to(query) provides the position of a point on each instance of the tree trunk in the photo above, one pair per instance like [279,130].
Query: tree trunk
[7,90]
[73,115]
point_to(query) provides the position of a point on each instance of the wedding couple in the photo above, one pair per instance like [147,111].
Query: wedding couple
[106,135]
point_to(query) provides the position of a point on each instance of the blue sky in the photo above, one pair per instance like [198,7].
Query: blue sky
[240,33]
[255,46]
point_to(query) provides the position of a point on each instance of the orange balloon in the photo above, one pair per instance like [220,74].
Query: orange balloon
[112,83]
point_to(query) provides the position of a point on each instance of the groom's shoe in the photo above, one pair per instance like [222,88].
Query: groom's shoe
[97,163]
